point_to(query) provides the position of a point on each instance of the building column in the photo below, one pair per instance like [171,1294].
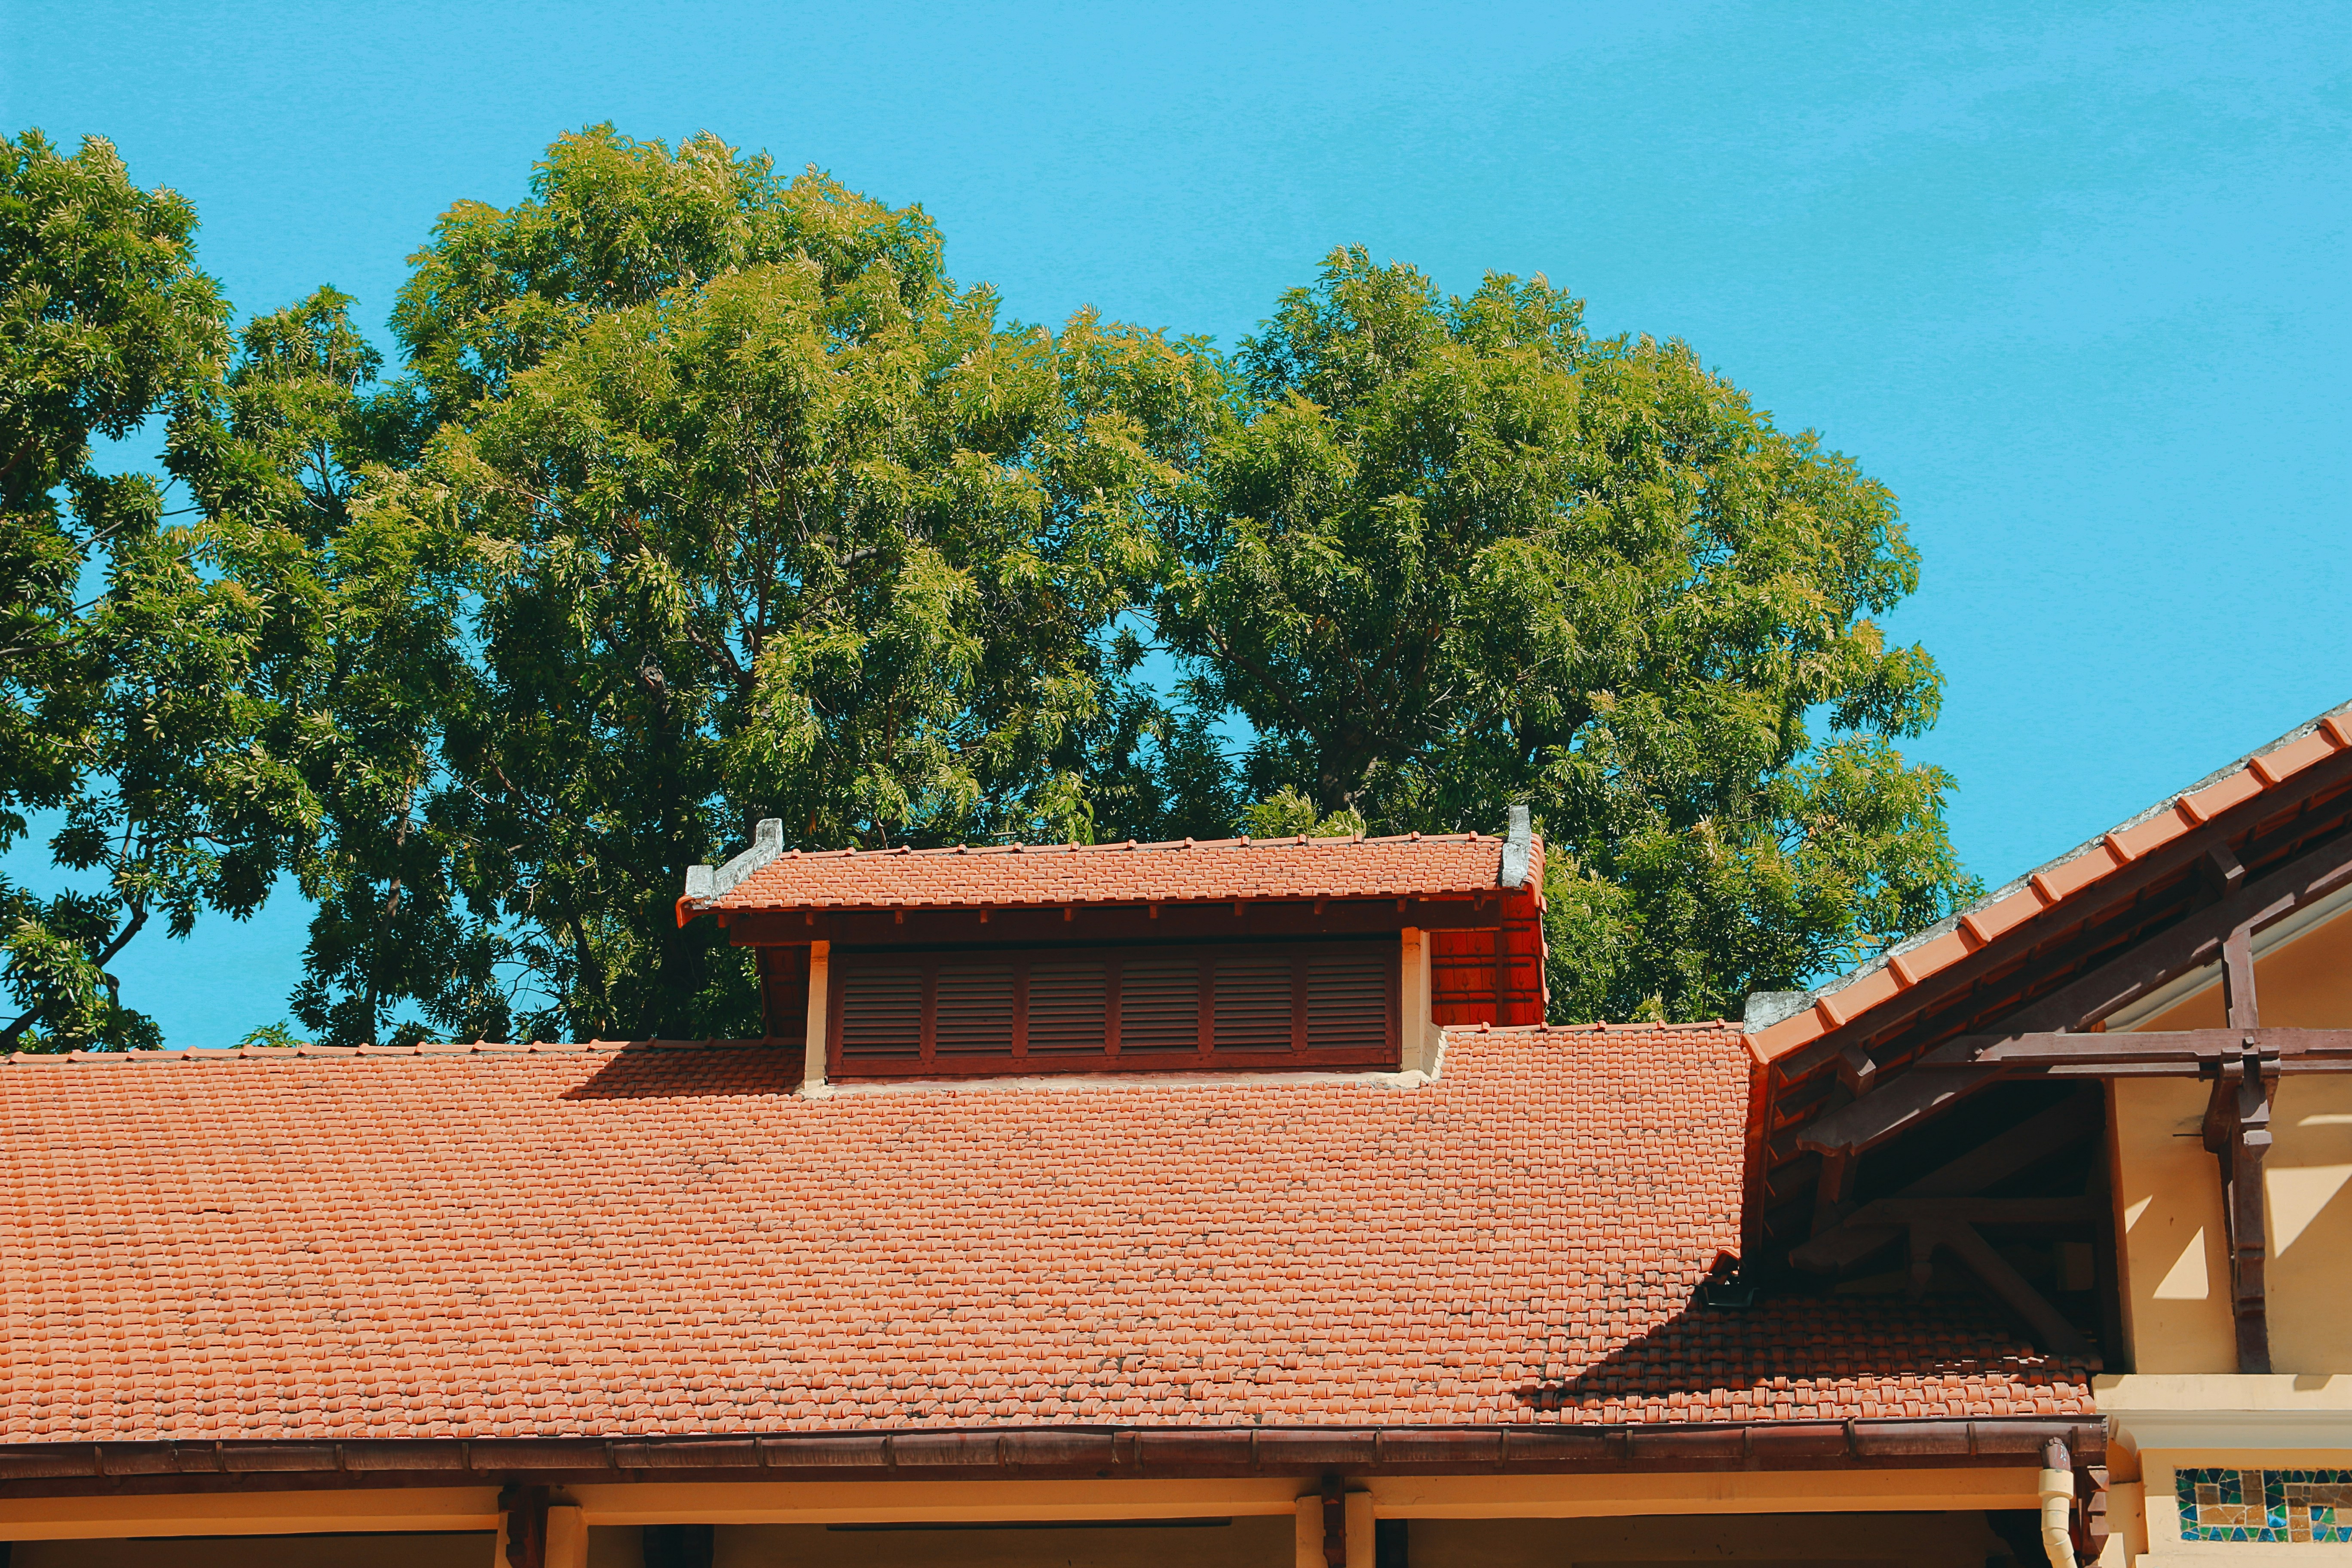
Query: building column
[820,976]
[1416,1032]
[535,1531]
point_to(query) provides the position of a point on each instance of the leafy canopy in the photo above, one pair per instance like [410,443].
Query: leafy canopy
[702,494]
[1460,555]
[124,652]
[737,507]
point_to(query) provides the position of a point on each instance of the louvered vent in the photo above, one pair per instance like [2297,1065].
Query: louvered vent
[881,1014]
[1346,1007]
[1159,1006]
[1253,1002]
[975,1010]
[1068,1008]
[970,1014]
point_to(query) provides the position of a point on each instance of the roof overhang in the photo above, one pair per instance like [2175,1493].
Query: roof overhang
[1049,1453]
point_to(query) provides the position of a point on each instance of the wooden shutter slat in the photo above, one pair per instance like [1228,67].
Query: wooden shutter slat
[1347,1002]
[972,1013]
[1253,1002]
[972,1010]
[881,1014]
[1069,1008]
[1159,1006]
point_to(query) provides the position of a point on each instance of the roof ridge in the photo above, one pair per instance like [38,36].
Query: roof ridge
[1121,845]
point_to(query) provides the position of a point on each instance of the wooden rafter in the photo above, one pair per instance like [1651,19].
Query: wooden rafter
[2014,1150]
[2040,1036]
[2149,893]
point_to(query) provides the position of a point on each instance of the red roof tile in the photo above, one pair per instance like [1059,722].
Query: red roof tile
[1177,872]
[664,1241]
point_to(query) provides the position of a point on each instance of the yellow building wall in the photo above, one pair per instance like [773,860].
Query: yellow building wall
[2175,1273]
[1959,1540]
[2175,1264]
[2310,1219]
[2303,983]
[1776,1540]
[1260,1542]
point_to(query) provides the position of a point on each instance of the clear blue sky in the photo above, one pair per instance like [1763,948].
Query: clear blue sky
[2071,279]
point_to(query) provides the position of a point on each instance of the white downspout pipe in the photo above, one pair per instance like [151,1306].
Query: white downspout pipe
[2057,1505]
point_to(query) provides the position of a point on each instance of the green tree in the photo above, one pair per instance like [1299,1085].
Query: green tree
[1460,555]
[124,649]
[737,507]
[356,659]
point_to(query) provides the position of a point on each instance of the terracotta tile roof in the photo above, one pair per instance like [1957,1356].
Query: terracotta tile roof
[652,1239]
[1179,871]
[2071,875]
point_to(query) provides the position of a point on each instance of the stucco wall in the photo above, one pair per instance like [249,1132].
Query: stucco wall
[1265,1541]
[2309,1177]
[2168,1192]
[1762,1540]
[2175,1268]
[2305,984]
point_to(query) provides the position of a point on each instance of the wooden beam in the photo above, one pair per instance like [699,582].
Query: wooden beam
[2238,1131]
[1928,1088]
[1960,1068]
[2117,891]
[2050,1329]
[2192,944]
[2191,1051]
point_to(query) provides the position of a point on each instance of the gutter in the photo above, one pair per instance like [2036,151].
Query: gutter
[979,1453]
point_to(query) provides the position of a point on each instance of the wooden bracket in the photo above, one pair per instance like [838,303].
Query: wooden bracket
[1335,1523]
[2238,1131]
[2091,1512]
[1856,1070]
[525,1512]
[2219,875]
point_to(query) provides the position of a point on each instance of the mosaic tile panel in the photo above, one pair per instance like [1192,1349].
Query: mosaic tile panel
[2265,1505]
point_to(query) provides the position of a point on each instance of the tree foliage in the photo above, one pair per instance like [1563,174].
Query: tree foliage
[1460,555]
[752,513]
[702,494]
[124,707]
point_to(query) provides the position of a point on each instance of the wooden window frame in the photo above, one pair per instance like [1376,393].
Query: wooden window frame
[1203,1057]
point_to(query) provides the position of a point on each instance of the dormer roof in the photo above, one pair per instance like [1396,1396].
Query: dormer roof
[769,879]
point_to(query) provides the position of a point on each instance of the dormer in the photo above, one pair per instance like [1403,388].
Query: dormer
[1228,955]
